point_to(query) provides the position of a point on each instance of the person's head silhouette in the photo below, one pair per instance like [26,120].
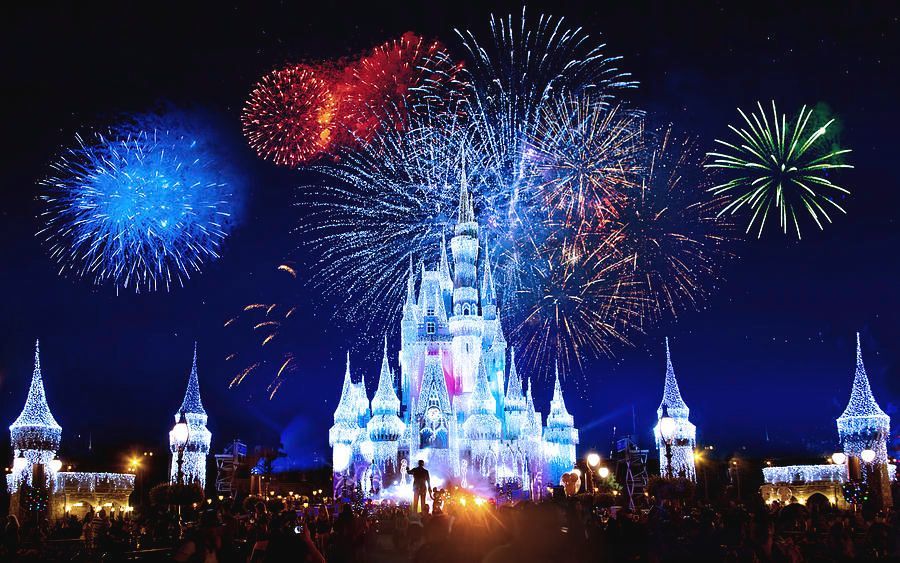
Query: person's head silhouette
[421,463]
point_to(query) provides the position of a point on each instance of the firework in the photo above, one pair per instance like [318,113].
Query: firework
[290,115]
[141,206]
[381,204]
[263,336]
[780,167]
[583,301]
[397,78]
[585,156]
[670,232]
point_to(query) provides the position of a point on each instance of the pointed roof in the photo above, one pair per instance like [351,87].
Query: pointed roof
[36,412]
[862,403]
[482,401]
[515,400]
[466,212]
[433,392]
[671,393]
[191,403]
[446,278]
[559,415]
[385,400]
[410,287]
[488,293]
[439,310]
[345,410]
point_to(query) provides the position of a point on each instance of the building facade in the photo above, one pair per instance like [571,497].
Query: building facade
[685,440]
[196,450]
[460,407]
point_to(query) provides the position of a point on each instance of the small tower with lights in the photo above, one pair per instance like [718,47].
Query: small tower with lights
[35,436]
[560,436]
[196,446]
[681,442]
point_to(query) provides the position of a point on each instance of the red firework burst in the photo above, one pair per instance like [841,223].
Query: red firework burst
[289,117]
[395,79]
[300,113]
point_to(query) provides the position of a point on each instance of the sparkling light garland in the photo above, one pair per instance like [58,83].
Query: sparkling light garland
[91,482]
[863,425]
[805,474]
[199,437]
[685,438]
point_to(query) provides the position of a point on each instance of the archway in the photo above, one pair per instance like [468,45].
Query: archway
[818,502]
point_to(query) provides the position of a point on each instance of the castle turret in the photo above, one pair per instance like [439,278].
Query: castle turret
[35,435]
[385,427]
[515,413]
[345,430]
[466,325]
[684,440]
[863,425]
[560,436]
[482,428]
[199,437]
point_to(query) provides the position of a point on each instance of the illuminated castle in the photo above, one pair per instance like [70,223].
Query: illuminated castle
[457,409]
[36,484]
[197,447]
[685,437]
[863,425]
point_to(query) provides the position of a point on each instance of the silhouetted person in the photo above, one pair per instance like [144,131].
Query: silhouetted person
[421,484]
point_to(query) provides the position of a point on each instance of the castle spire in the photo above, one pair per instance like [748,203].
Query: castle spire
[410,285]
[671,393]
[514,395]
[385,401]
[488,293]
[192,403]
[862,403]
[482,401]
[466,213]
[446,278]
[36,413]
[558,412]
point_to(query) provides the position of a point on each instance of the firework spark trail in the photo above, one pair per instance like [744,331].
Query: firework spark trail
[779,167]
[142,206]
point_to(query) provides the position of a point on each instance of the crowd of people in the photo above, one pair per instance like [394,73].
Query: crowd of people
[456,526]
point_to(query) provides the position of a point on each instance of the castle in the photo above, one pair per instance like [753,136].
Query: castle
[196,450]
[458,407]
[685,437]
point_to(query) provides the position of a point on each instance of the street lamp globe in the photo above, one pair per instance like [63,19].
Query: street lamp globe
[20,463]
[867,455]
[604,472]
[839,458]
[593,459]
[666,426]
[180,432]
[55,465]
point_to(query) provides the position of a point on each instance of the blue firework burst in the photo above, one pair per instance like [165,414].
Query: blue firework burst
[141,206]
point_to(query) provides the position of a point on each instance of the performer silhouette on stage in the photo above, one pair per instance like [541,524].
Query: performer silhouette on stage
[421,484]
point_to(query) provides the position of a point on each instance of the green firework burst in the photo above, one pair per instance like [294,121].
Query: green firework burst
[780,167]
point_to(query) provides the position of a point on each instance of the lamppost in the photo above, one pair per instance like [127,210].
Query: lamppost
[180,434]
[667,433]
[593,460]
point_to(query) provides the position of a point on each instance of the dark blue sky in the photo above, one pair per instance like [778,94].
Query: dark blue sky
[773,350]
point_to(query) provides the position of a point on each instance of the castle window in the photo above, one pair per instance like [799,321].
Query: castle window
[429,327]
[465,309]
[429,311]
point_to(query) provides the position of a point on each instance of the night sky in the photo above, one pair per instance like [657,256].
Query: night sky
[770,356]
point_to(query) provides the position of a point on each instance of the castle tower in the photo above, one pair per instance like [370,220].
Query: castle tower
[385,427]
[199,437]
[515,415]
[466,325]
[863,425]
[685,432]
[560,436]
[35,435]
[345,430]
[482,430]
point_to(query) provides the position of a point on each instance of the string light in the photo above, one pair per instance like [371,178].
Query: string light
[805,474]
